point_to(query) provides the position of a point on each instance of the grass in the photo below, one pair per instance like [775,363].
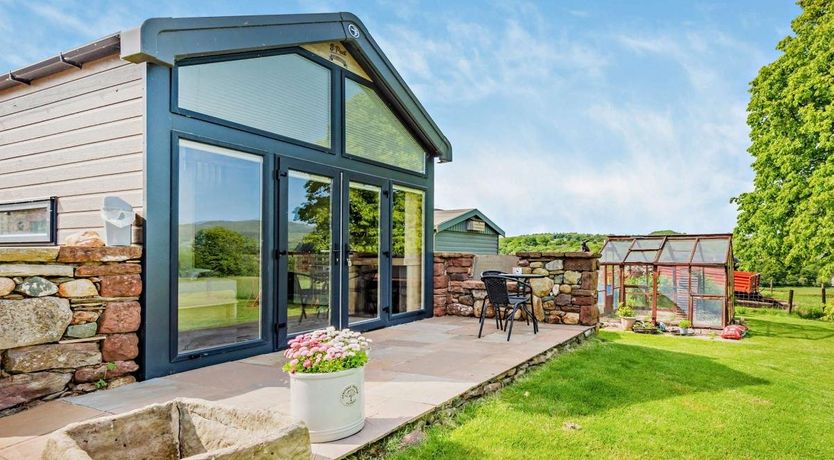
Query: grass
[807,300]
[638,396]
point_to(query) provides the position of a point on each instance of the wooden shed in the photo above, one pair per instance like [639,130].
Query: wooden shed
[465,230]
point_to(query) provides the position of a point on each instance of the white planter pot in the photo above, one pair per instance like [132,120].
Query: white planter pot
[332,405]
[684,331]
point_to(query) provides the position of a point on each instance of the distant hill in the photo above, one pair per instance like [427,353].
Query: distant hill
[555,242]
[558,242]
[248,228]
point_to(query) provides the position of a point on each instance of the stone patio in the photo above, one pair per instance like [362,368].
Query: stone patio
[414,368]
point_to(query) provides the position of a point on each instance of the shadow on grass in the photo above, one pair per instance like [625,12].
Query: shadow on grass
[762,327]
[606,375]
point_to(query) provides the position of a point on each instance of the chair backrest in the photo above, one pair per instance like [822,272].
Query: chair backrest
[496,288]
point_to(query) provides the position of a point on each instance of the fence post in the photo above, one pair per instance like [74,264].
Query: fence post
[822,286]
[790,301]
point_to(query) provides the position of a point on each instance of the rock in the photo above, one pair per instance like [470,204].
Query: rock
[460,262]
[479,294]
[467,300]
[89,239]
[22,388]
[555,291]
[565,288]
[584,292]
[29,254]
[558,279]
[441,281]
[51,356]
[536,265]
[121,286]
[84,316]
[526,270]
[572,277]
[81,331]
[571,318]
[473,284]
[33,321]
[562,300]
[121,381]
[589,280]
[584,300]
[6,286]
[540,271]
[122,317]
[589,315]
[554,265]
[120,347]
[35,270]
[36,286]
[85,387]
[458,309]
[541,286]
[413,438]
[78,288]
[538,308]
[105,254]
[579,264]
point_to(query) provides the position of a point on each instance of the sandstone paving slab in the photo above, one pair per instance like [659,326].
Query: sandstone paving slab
[235,377]
[134,396]
[41,419]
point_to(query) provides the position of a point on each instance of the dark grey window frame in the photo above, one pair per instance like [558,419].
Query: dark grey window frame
[164,124]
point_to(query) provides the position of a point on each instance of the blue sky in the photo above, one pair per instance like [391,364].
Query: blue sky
[606,116]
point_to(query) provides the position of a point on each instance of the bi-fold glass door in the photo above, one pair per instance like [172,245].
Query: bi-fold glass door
[333,254]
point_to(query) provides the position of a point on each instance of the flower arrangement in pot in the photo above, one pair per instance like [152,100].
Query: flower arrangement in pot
[684,326]
[327,382]
[627,318]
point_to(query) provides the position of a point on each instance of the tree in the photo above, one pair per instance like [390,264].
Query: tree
[225,252]
[785,227]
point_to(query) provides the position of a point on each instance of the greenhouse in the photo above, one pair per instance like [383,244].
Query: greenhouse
[669,278]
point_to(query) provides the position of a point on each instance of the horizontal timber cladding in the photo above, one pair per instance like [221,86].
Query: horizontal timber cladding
[77,135]
[470,242]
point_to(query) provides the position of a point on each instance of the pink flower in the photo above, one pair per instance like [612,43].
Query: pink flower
[307,364]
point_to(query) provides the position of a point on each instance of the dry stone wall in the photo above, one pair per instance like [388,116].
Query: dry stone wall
[69,318]
[566,295]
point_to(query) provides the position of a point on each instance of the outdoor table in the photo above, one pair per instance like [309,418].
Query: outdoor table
[524,277]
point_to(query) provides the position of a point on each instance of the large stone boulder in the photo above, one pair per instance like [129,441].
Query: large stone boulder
[29,254]
[22,388]
[554,265]
[33,321]
[52,356]
[35,270]
[589,315]
[121,286]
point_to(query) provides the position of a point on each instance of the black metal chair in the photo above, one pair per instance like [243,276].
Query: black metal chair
[504,304]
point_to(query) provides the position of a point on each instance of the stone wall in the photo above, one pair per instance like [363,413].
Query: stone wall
[68,321]
[567,295]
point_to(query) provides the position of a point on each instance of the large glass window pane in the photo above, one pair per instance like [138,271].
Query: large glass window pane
[648,243]
[407,249]
[363,251]
[641,256]
[372,131]
[309,234]
[286,94]
[219,246]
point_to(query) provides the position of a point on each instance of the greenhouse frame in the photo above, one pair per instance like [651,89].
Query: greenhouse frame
[669,277]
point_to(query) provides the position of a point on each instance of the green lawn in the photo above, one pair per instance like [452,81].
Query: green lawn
[637,396]
[802,295]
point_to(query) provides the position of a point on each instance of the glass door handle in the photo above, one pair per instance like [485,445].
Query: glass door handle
[335,252]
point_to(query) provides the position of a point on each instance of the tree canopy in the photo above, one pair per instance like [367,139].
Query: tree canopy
[785,226]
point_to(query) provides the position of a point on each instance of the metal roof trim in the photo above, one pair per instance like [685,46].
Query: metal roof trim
[62,61]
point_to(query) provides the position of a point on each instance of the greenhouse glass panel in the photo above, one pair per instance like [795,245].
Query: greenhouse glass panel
[615,251]
[677,251]
[707,312]
[641,256]
[648,243]
[708,281]
[711,251]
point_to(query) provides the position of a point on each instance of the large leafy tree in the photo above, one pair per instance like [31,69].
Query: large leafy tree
[785,226]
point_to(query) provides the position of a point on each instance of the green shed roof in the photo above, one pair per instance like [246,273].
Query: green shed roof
[447,218]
